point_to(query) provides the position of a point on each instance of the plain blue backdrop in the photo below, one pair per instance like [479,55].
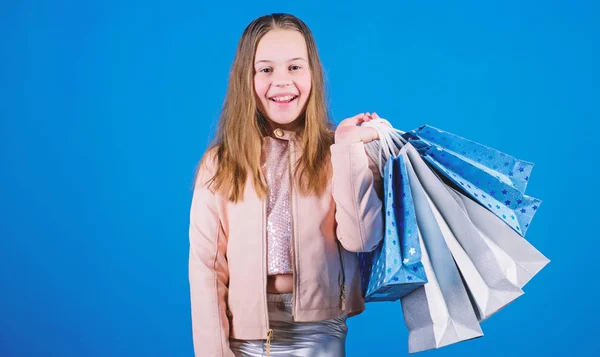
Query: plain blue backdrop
[106,107]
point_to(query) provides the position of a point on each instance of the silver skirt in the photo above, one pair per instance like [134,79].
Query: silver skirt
[295,339]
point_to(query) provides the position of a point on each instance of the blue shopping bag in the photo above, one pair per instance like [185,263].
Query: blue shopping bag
[394,268]
[494,179]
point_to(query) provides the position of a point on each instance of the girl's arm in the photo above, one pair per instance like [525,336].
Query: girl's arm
[357,192]
[208,272]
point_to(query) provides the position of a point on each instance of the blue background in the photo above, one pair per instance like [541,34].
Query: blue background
[106,107]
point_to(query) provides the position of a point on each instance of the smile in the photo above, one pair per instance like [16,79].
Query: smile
[283,99]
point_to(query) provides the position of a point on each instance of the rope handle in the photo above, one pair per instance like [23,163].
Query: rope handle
[389,144]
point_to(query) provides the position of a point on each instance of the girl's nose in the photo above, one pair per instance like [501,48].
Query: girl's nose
[282,83]
[282,79]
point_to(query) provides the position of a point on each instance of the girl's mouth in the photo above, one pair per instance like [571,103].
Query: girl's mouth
[284,99]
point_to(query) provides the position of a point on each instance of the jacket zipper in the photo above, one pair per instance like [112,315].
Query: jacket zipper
[343,282]
[292,235]
[264,240]
[269,338]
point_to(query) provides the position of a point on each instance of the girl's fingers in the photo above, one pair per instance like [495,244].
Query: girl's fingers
[369,135]
[357,119]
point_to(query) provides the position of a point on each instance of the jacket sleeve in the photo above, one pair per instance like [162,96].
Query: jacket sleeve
[208,272]
[357,192]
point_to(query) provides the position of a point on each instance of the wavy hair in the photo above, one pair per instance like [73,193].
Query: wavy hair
[239,136]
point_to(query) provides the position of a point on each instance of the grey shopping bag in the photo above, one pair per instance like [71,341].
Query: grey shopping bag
[439,313]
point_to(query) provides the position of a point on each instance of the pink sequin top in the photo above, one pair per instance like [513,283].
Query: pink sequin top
[276,170]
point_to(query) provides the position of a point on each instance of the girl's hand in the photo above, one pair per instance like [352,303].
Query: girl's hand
[349,130]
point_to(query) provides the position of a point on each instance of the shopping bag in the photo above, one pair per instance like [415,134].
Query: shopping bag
[394,268]
[506,168]
[440,313]
[520,260]
[493,178]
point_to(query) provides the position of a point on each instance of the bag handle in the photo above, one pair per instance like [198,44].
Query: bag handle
[389,144]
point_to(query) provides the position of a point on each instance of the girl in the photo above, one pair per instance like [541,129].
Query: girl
[280,206]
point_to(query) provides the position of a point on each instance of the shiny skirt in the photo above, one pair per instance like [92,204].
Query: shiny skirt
[295,339]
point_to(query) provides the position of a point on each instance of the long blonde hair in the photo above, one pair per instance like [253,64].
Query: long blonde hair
[238,140]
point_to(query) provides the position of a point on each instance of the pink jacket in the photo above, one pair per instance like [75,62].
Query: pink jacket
[227,261]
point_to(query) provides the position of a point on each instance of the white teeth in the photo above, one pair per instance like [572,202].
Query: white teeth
[283,99]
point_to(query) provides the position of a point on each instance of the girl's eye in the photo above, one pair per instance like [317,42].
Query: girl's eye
[266,70]
[294,67]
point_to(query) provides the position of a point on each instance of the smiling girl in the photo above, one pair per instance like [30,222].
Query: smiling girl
[281,205]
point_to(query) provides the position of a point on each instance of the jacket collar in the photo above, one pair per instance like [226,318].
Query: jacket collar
[282,134]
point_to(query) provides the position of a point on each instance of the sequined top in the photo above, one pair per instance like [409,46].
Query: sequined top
[276,170]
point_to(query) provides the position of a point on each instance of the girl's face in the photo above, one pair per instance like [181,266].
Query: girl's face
[282,79]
